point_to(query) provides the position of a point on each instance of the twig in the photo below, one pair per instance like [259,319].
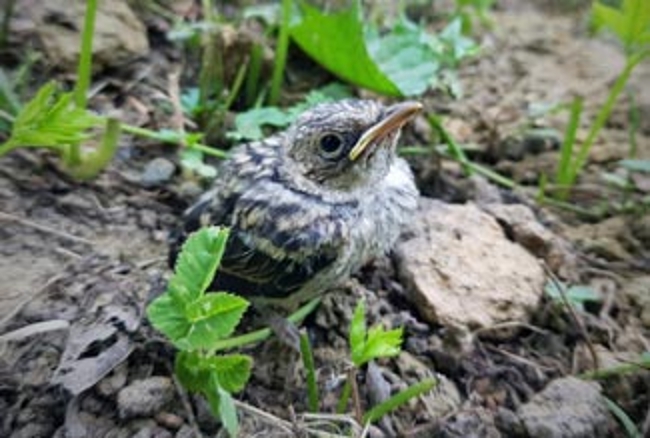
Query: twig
[577,320]
[186,405]
[35,329]
[44,229]
[28,299]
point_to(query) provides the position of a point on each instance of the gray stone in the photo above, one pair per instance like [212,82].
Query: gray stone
[145,397]
[157,171]
[567,408]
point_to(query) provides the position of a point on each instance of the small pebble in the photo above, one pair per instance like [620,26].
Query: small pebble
[145,397]
[157,171]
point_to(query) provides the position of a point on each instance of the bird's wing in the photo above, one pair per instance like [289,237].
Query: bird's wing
[280,239]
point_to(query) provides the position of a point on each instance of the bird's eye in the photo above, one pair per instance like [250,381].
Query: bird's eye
[330,145]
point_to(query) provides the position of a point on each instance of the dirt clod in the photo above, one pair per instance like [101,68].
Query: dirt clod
[145,397]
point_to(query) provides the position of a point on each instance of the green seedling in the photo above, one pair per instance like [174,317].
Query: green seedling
[468,10]
[631,25]
[404,62]
[367,345]
[61,122]
[196,321]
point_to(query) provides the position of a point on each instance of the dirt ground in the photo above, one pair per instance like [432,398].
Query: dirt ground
[80,261]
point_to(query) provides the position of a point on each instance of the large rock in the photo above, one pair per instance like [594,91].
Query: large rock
[119,35]
[462,272]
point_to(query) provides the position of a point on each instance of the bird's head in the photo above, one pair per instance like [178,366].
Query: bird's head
[347,144]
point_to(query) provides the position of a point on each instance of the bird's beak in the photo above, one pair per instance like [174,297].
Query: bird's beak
[396,117]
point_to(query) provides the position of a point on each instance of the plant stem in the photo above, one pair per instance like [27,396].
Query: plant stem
[84,70]
[281,53]
[94,162]
[260,335]
[155,135]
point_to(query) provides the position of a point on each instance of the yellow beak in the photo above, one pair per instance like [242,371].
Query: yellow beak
[397,116]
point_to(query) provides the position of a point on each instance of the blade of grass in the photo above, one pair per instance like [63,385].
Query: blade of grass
[453,148]
[281,53]
[398,400]
[604,113]
[625,420]
[308,360]
[568,145]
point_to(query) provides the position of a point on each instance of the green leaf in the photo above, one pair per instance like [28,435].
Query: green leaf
[197,263]
[228,412]
[211,318]
[232,371]
[51,120]
[405,61]
[404,57]
[630,23]
[336,41]
[399,399]
[375,343]
[194,370]
[167,314]
[248,125]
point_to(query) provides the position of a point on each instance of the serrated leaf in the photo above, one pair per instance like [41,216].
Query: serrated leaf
[358,327]
[167,314]
[51,120]
[211,318]
[232,371]
[192,370]
[197,263]
[379,343]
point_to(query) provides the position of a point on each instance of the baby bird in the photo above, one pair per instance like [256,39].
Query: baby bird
[311,205]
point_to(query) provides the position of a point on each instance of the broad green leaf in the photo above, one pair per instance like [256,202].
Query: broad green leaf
[358,327]
[336,41]
[198,262]
[404,56]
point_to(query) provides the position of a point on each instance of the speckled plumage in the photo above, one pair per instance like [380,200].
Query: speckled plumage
[304,217]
